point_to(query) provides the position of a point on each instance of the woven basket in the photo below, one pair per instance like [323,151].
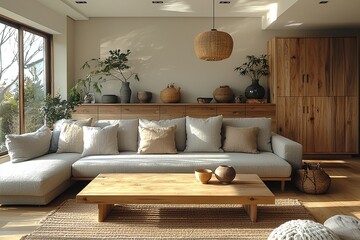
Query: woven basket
[313,181]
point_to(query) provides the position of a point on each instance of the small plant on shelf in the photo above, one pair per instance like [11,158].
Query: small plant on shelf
[255,67]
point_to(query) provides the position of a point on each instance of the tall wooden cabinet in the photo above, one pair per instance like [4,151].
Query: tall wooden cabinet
[314,84]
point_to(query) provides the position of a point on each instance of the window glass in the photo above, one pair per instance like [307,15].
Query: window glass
[9,82]
[21,90]
[34,80]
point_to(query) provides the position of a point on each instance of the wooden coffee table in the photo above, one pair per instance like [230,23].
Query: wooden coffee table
[165,188]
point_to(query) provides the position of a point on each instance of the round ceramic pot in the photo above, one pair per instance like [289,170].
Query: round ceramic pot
[225,174]
[255,90]
[223,94]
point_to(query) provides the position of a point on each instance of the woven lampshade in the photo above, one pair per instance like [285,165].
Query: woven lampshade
[213,45]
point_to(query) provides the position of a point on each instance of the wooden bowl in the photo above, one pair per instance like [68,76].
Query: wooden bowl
[203,175]
[204,100]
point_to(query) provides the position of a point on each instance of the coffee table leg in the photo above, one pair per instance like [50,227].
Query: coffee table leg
[104,210]
[251,211]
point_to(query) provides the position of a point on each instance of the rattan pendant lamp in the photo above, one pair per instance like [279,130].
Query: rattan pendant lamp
[213,45]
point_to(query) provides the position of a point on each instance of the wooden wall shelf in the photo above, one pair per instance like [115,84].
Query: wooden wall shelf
[157,111]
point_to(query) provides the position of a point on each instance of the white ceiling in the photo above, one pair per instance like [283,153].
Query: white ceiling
[280,14]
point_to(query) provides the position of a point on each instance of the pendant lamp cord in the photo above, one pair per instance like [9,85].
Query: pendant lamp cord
[213,14]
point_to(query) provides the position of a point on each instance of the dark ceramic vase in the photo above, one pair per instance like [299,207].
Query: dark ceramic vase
[255,90]
[225,174]
[125,92]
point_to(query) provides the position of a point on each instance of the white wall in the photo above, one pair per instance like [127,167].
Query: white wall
[34,14]
[163,52]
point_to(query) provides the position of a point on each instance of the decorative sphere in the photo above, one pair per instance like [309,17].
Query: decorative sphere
[225,174]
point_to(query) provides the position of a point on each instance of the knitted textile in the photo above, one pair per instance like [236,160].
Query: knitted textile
[302,230]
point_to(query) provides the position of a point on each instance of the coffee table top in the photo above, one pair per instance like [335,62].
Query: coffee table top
[173,188]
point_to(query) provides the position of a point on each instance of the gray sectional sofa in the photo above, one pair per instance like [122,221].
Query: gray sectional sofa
[39,180]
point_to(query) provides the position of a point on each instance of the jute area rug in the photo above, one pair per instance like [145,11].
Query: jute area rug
[79,221]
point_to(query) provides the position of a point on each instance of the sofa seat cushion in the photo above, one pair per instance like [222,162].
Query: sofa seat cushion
[37,177]
[265,164]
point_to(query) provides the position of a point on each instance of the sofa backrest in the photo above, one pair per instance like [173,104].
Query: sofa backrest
[128,130]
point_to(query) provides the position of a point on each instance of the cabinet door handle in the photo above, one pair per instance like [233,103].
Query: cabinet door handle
[303,109]
[307,109]
[303,78]
[307,78]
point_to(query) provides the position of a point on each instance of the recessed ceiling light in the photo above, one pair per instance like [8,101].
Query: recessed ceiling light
[323,2]
[81,2]
[225,2]
[157,2]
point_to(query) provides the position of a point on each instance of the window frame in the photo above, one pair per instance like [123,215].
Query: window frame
[48,48]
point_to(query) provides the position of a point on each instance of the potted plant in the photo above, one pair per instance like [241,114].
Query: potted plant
[114,67]
[55,108]
[255,68]
[84,87]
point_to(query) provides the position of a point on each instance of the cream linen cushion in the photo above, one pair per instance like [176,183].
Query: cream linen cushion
[157,140]
[180,134]
[241,139]
[71,137]
[57,129]
[203,135]
[29,145]
[127,133]
[264,125]
[100,140]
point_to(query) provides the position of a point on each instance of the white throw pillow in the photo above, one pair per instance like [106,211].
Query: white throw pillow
[29,145]
[203,135]
[71,137]
[100,141]
[180,134]
[263,124]
[127,133]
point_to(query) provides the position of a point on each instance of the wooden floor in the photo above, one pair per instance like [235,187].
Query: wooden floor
[342,198]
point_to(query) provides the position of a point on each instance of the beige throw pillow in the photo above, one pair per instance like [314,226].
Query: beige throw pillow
[29,145]
[180,134]
[241,139]
[101,141]
[157,140]
[71,137]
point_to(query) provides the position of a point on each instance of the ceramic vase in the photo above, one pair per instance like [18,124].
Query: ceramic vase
[170,94]
[223,94]
[125,92]
[255,90]
[225,174]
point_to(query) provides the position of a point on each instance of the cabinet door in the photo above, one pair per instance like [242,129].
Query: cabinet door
[171,112]
[291,118]
[109,112]
[320,125]
[85,111]
[200,111]
[289,66]
[317,74]
[344,67]
[149,112]
[235,111]
[346,130]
